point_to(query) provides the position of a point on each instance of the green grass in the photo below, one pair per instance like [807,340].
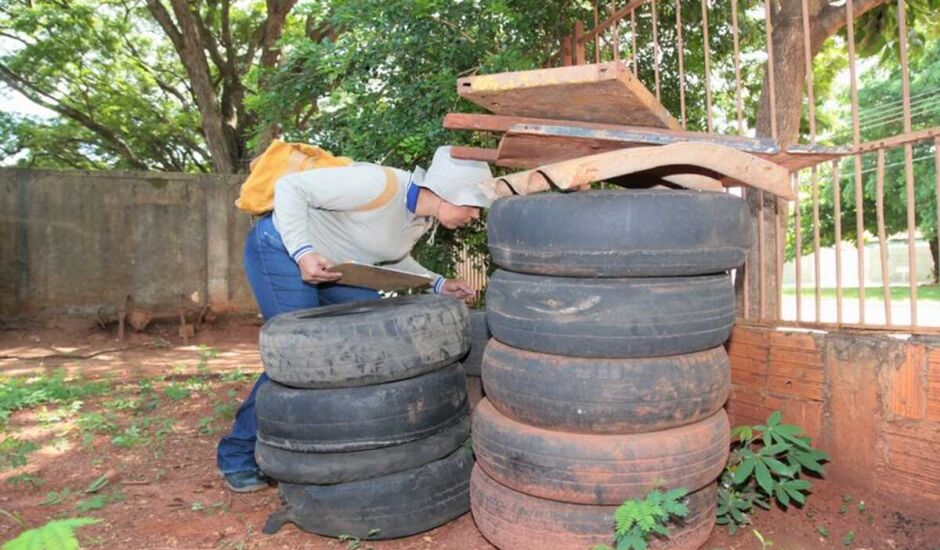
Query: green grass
[20,393]
[928,293]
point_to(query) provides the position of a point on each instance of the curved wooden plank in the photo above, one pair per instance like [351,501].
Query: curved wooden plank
[704,159]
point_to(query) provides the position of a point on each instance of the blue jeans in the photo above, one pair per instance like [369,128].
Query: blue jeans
[277,286]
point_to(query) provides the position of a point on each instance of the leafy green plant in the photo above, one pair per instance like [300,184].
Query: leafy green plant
[355,543]
[237,375]
[25,478]
[98,501]
[823,531]
[764,466]
[13,452]
[130,437]
[21,393]
[637,520]
[59,413]
[848,538]
[58,534]
[176,392]
[54,498]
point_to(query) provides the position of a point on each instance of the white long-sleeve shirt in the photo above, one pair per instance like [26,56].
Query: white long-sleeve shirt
[315,211]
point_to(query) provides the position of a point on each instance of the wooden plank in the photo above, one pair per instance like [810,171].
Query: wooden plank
[714,161]
[474,153]
[379,278]
[530,145]
[604,92]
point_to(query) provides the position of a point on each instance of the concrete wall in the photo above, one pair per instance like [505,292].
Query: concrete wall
[872,401]
[76,241]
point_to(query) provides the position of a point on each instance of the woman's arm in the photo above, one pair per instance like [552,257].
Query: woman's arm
[450,287]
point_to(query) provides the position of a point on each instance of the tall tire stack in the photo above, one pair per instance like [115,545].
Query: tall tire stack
[364,422]
[606,375]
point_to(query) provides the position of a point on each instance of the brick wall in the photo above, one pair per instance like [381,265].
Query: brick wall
[872,401]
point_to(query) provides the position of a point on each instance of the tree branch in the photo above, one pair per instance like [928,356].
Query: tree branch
[33,93]
[163,18]
[832,18]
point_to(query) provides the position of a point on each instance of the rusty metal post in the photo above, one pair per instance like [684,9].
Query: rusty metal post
[578,46]
[798,232]
[633,37]
[908,159]
[708,72]
[679,49]
[837,221]
[656,59]
[882,234]
[856,139]
[814,176]
[737,66]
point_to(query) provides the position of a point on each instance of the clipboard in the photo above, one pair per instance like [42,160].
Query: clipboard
[379,278]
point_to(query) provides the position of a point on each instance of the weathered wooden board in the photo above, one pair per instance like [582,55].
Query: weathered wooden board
[702,159]
[379,278]
[605,92]
[528,146]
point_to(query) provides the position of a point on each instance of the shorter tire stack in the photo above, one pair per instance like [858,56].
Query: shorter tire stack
[365,419]
[473,361]
[606,374]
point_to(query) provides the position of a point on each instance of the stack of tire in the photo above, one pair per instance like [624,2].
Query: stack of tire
[364,422]
[473,361]
[606,375]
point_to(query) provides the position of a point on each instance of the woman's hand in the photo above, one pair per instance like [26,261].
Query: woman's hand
[313,269]
[457,288]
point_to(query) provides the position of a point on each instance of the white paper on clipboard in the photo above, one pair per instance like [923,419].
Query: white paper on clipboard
[378,277]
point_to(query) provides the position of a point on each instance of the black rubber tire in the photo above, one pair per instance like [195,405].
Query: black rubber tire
[606,396]
[598,469]
[511,520]
[479,336]
[610,317]
[637,233]
[364,343]
[398,505]
[361,418]
[331,468]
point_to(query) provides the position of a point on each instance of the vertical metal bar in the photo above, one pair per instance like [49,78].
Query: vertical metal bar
[882,234]
[814,175]
[576,40]
[908,159]
[597,37]
[808,60]
[837,214]
[655,47]
[856,139]
[798,230]
[679,49]
[745,194]
[613,9]
[936,189]
[769,29]
[737,66]
[633,36]
[781,211]
[708,83]
[761,283]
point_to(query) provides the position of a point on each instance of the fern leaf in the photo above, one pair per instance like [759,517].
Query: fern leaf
[56,535]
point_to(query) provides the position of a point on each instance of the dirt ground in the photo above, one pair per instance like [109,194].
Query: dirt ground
[150,428]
